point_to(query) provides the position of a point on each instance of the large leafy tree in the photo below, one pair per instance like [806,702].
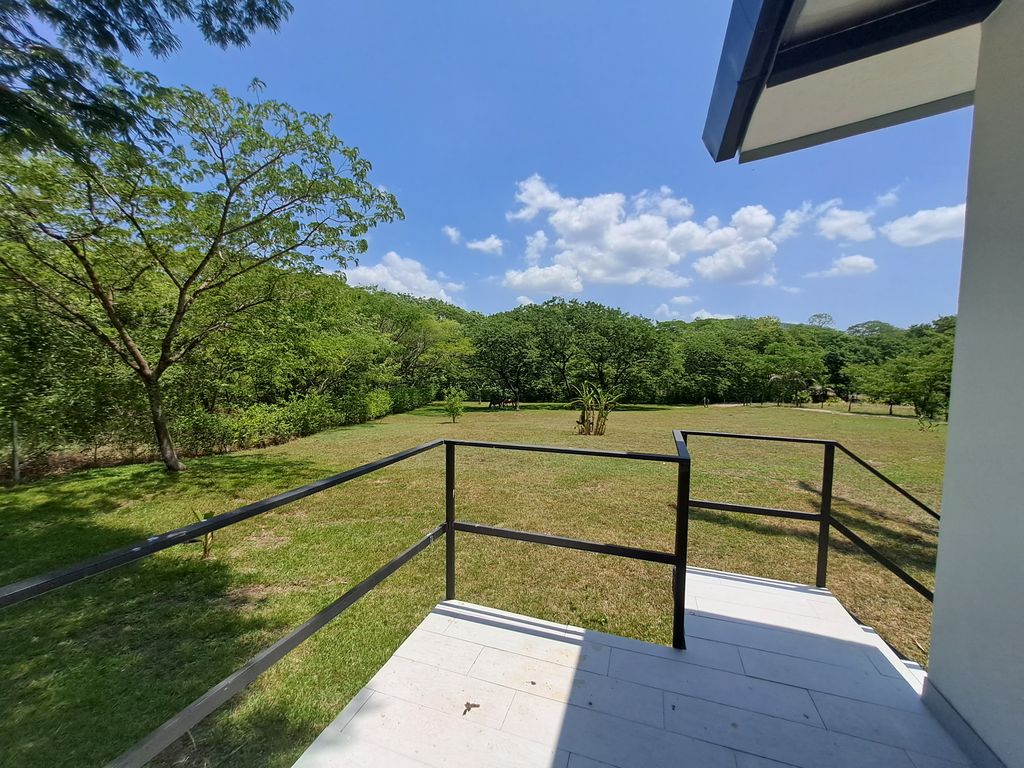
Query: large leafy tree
[152,252]
[507,354]
[60,78]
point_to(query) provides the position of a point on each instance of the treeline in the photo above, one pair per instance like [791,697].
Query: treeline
[547,351]
[324,354]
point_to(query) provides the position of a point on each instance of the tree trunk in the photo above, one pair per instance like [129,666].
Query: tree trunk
[163,435]
[890,409]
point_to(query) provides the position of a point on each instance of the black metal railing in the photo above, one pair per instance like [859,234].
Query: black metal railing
[176,727]
[824,517]
[180,724]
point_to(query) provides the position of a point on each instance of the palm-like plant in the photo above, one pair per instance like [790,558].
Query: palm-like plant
[595,404]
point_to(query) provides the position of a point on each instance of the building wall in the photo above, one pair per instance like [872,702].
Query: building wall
[977,657]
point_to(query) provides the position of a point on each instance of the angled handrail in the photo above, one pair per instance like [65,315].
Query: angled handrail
[12,594]
[826,520]
[891,483]
[820,441]
[185,720]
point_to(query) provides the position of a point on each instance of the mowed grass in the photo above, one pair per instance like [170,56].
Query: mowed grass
[91,668]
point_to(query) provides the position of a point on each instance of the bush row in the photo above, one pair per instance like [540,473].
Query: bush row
[200,432]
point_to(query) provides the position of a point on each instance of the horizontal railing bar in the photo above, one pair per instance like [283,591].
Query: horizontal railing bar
[19,591]
[722,506]
[172,730]
[770,438]
[650,555]
[572,451]
[899,489]
[909,580]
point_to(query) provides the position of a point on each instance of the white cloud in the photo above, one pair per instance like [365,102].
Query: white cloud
[794,219]
[889,198]
[400,275]
[663,312]
[848,266]
[524,300]
[928,226]
[534,195]
[703,314]
[535,245]
[790,289]
[553,279]
[490,244]
[683,300]
[662,203]
[848,225]
[750,261]
[609,238]
[452,233]
[753,222]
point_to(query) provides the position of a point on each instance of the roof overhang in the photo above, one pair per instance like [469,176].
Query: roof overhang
[796,73]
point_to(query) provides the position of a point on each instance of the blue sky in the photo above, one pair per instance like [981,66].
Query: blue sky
[582,121]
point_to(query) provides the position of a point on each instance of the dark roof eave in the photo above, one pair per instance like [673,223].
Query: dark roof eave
[753,57]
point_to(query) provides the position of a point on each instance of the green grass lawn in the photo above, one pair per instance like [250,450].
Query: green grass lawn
[91,668]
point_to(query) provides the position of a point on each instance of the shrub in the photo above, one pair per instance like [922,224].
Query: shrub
[454,402]
[378,403]
[310,414]
[406,398]
[595,404]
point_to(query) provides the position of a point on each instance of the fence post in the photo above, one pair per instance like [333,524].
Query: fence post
[449,521]
[824,525]
[679,568]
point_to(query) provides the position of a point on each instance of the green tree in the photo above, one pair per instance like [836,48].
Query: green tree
[60,82]
[507,355]
[454,402]
[616,349]
[152,253]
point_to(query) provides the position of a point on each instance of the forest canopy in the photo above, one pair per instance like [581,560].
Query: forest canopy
[324,354]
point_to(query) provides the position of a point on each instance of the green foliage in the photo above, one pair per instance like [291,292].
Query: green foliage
[324,354]
[153,253]
[454,402]
[595,404]
[207,540]
[61,80]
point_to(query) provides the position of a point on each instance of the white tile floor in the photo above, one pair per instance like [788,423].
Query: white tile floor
[775,674]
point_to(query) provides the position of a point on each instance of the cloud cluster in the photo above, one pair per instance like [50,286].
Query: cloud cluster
[928,226]
[921,228]
[664,312]
[614,239]
[848,266]
[452,233]
[491,244]
[847,225]
[400,275]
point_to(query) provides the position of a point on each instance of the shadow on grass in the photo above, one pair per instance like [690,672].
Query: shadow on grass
[911,551]
[94,667]
[888,525]
[52,523]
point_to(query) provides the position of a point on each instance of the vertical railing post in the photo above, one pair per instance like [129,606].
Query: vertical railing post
[449,521]
[679,568]
[824,524]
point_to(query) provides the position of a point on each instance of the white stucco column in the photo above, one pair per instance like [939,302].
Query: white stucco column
[977,655]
